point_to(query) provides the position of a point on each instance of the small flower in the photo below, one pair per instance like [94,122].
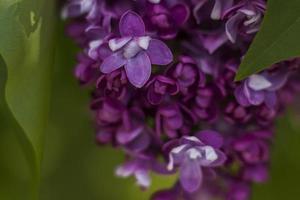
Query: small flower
[244,18]
[166,21]
[135,51]
[253,147]
[187,74]
[159,87]
[168,120]
[192,154]
[261,88]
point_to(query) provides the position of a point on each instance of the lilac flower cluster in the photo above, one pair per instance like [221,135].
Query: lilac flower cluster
[164,91]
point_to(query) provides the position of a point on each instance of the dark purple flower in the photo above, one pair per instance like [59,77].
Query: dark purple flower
[168,120]
[187,74]
[166,21]
[235,113]
[135,51]
[205,107]
[261,88]
[253,148]
[244,18]
[192,154]
[113,85]
[160,86]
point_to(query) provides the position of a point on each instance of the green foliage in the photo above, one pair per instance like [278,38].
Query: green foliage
[26,47]
[277,40]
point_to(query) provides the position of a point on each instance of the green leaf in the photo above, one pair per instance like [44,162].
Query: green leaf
[27,32]
[285,167]
[277,40]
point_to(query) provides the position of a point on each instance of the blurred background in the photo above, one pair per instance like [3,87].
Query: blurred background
[75,167]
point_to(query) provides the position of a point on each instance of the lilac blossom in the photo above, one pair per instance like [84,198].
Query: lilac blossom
[135,51]
[166,22]
[244,18]
[189,117]
[192,154]
[260,88]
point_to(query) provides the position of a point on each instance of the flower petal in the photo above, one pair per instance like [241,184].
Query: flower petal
[232,26]
[113,62]
[240,95]
[117,43]
[190,175]
[180,13]
[211,138]
[258,82]
[138,69]
[159,53]
[143,178]
[131,24]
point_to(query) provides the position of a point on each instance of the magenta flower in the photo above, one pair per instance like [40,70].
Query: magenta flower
[135,51]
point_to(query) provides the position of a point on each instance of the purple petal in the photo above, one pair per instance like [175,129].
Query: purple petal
[221,159]
[113,62]
[131,24]
[153,97]
[126,169]
[159,53]
[140,143]
[254,97]
[211,138]
[143,178]
[270,99]
[232,26]
[190,175]
[180,13]
[278,80]
[240,95]
[138,69]
[124,136]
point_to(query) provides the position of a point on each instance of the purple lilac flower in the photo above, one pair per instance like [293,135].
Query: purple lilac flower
[244,18]
[261,88]
[162,117]
[192,154]
[159,87]
[135,51]
[166,21]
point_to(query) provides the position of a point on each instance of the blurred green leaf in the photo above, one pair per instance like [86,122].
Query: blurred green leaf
[277,40]
[27,32]
[285,167]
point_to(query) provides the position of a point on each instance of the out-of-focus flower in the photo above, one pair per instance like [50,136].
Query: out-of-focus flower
[160,86]
[192,154]
[166,21]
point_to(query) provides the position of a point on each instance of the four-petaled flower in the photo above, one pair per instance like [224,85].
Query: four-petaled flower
[191,153]
[135,51]
[261,88]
